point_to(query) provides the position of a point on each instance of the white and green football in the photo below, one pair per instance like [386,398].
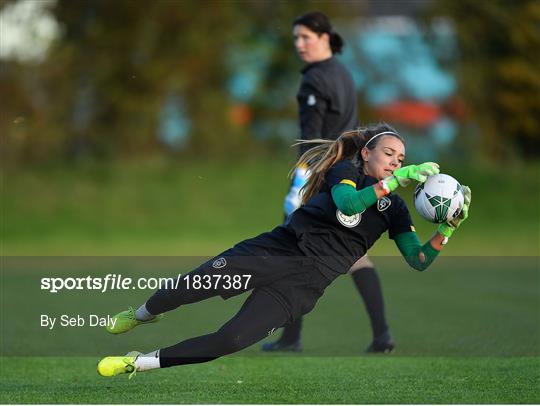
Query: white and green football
[439,198]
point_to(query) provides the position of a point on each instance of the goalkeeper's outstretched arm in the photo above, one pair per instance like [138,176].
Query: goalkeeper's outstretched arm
[420,256]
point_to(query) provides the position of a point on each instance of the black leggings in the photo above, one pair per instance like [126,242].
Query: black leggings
[259,316]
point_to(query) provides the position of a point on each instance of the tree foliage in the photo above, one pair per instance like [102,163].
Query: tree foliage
[105,80]
[499,44]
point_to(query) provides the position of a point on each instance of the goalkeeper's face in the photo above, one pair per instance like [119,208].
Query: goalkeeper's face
[387,156]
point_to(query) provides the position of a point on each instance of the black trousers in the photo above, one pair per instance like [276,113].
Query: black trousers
[259,316]
[286,284]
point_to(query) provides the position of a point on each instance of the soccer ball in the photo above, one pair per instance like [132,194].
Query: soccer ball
[439,198]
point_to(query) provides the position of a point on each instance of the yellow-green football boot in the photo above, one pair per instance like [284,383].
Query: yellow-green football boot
[112,366]
[125,321]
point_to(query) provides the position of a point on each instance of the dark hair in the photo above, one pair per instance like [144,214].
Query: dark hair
[319,23]
[319,159]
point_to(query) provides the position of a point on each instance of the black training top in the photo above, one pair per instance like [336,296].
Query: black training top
[326,101]
[338,240]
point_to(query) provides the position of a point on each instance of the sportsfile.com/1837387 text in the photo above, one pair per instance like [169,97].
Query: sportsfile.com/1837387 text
[118,282]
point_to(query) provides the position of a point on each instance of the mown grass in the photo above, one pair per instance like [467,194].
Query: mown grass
[280,380]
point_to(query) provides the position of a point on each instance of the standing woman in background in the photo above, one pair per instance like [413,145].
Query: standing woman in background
[328,107]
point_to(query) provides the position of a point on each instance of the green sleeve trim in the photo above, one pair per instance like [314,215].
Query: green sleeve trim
[410,247]
[351,201]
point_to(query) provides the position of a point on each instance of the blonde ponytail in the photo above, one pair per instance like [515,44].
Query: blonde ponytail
[319,159]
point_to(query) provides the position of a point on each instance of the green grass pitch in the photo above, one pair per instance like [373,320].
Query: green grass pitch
[311,380]
[467,330]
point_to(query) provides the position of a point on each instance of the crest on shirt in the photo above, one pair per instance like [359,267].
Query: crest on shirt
[348,221]
[311,100]
[219,263]
[383,203]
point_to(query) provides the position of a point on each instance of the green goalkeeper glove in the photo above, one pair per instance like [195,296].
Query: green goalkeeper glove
[448,228]
[403,176]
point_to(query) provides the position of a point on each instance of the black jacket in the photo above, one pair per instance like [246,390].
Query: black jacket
[327,101]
